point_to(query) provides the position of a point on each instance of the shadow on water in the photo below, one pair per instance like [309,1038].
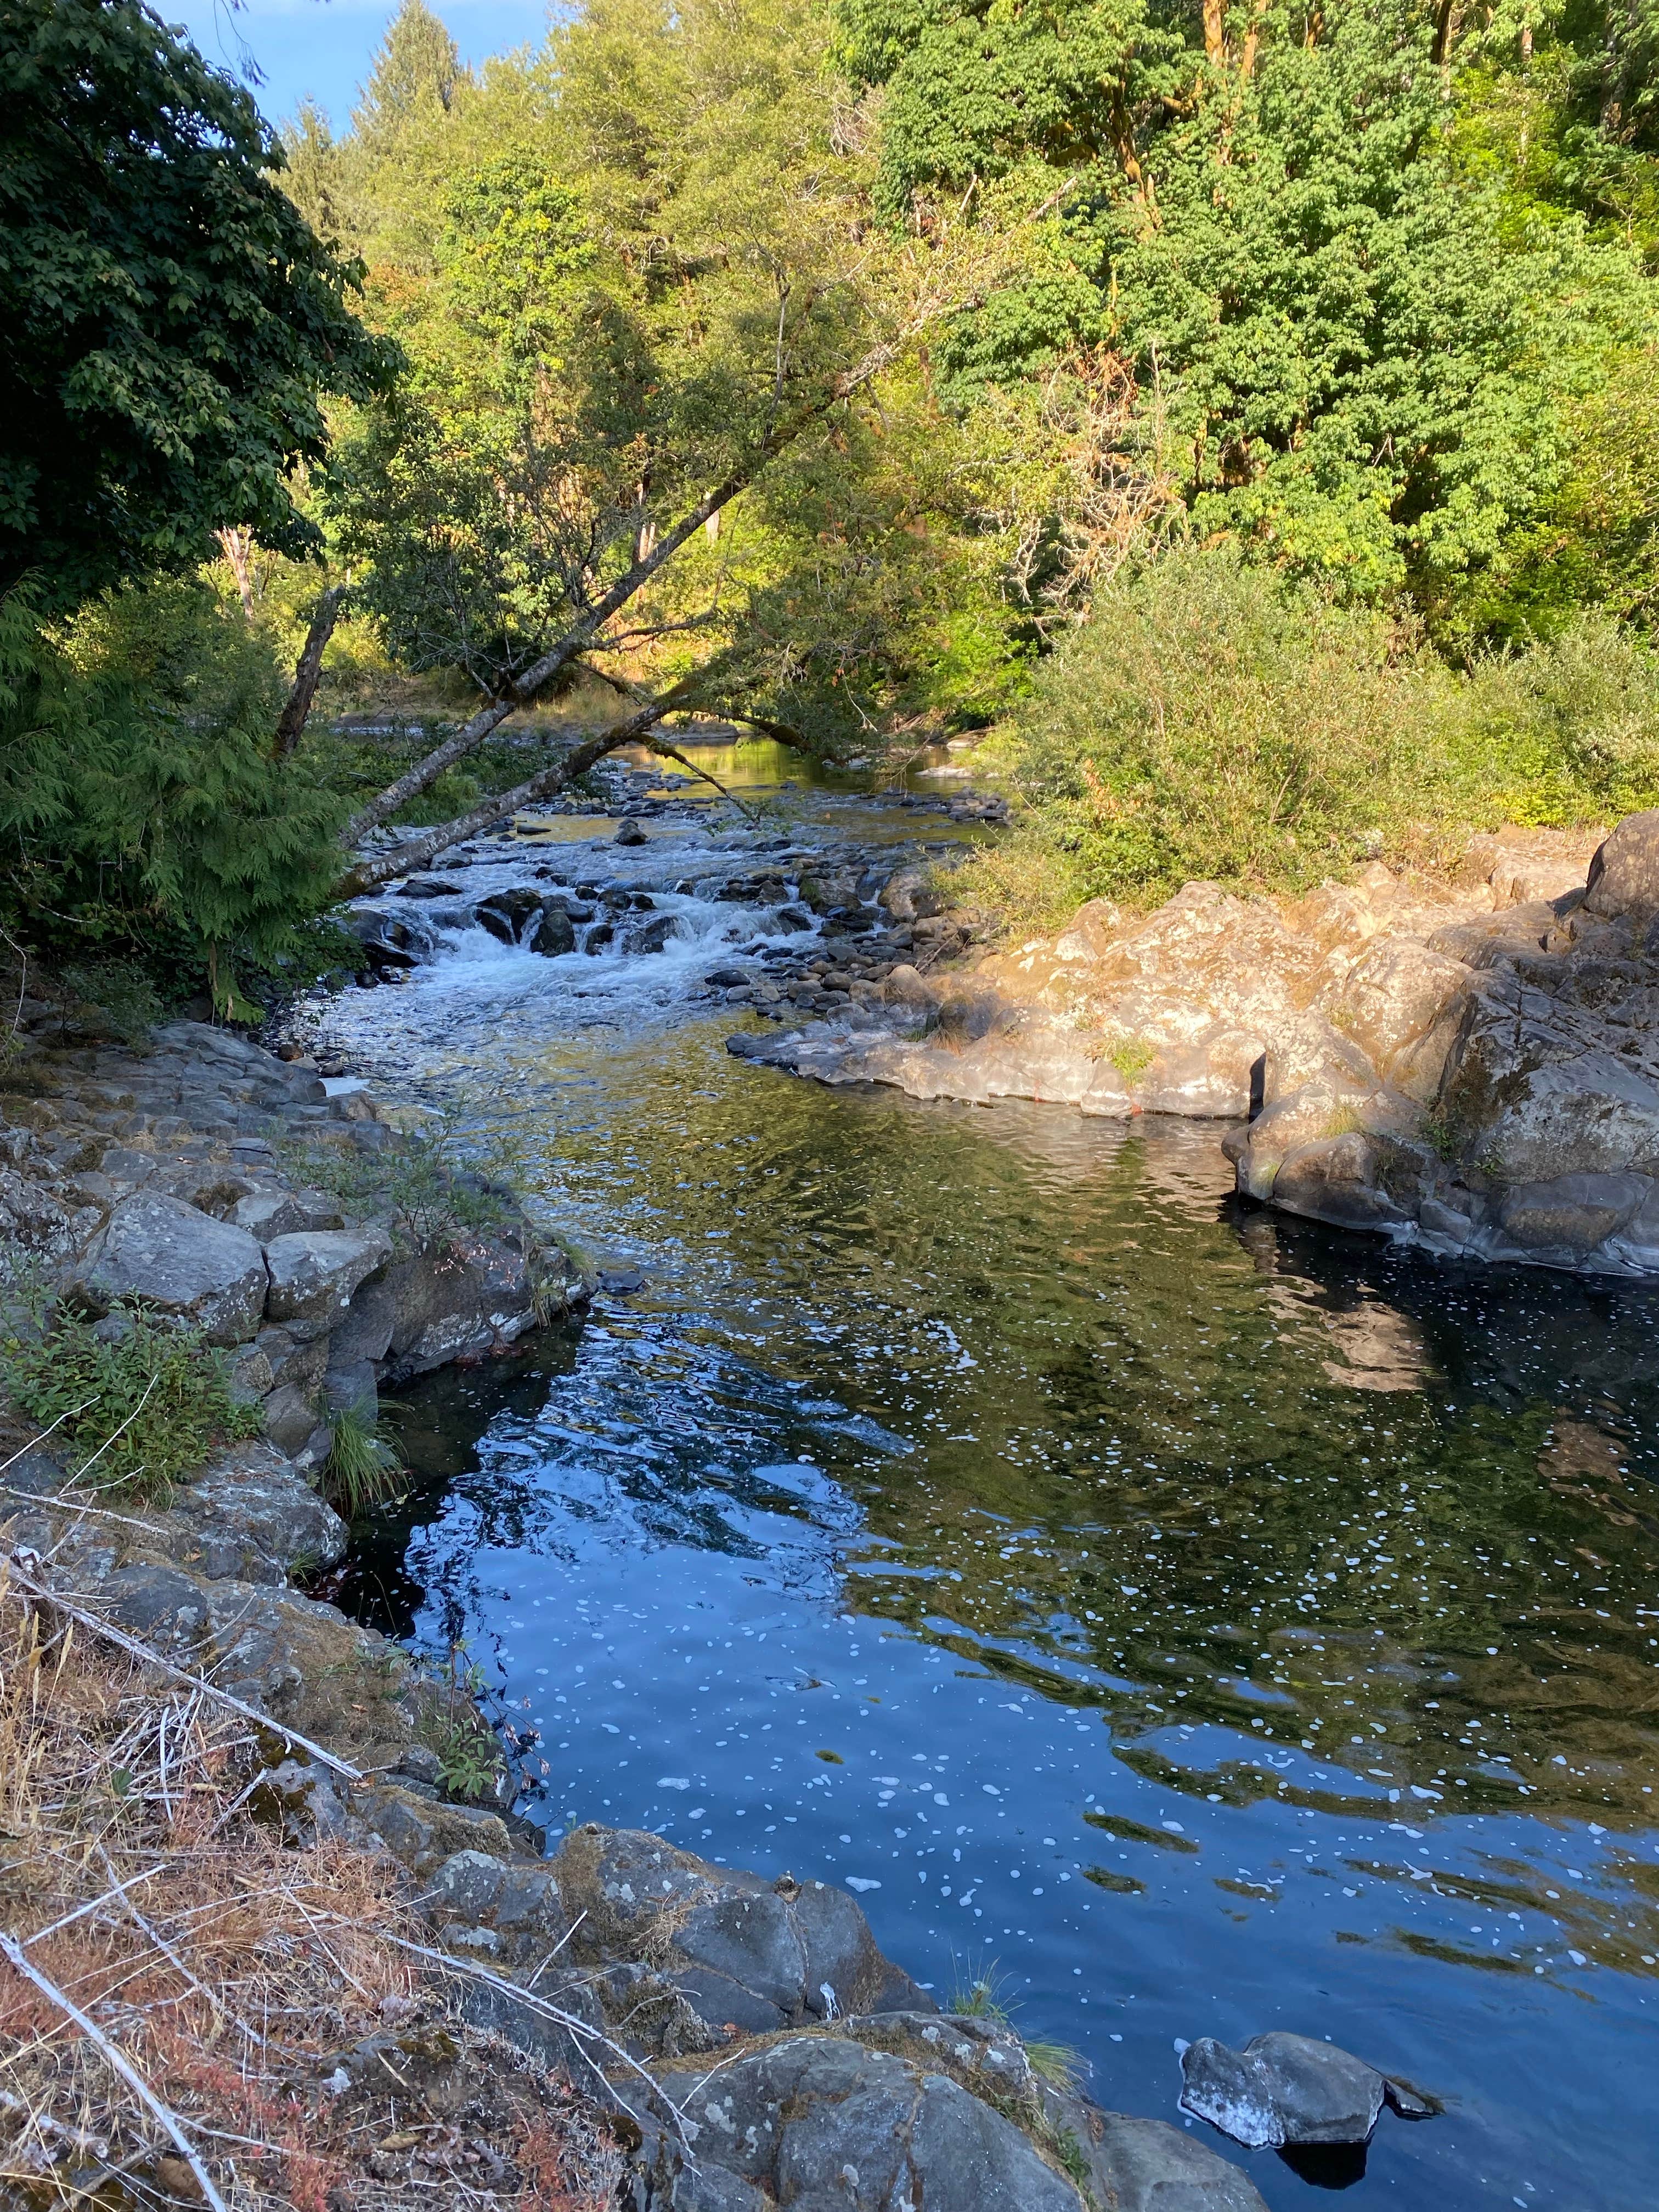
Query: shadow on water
[1217,1622]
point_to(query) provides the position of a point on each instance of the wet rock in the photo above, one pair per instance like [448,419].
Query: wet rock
[429,887]
[315,1273]
[651,936]
[630,834]
[159,1251]
[1286,2091]
[555,934]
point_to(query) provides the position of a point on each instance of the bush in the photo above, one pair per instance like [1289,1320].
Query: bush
[1211,721]
[138,1413]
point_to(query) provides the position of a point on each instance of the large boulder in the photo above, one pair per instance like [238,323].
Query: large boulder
[740,1952]
[1623,872]
[315,1272]
[1285,2092]
[158,1252]
[1393,995]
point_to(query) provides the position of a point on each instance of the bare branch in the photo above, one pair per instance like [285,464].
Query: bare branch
[672,752]
[151,1657]
[115,2057]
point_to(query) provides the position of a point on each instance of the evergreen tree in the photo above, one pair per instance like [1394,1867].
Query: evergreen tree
[416,77]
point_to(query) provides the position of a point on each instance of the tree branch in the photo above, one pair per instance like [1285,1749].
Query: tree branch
[584,631]
[291,723]
[416,852]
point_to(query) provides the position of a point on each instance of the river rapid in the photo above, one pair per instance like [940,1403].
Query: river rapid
[1186,1621]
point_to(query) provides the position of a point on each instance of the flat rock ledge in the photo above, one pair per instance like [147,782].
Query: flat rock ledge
[1470,1065]
[177,1179]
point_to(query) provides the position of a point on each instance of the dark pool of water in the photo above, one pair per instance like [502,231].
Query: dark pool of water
[1199,1622]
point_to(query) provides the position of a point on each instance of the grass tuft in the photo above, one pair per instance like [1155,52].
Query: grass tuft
[364,1466]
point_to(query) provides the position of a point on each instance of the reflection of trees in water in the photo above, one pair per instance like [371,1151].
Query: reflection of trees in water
[1259,1459]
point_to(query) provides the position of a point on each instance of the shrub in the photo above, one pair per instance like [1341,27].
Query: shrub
[363,1467]
[1210,721]
[138,1413]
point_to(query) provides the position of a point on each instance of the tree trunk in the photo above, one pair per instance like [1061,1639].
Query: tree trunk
[416,852]
[1215,34]
[237,546]
[291,723]
[582,633]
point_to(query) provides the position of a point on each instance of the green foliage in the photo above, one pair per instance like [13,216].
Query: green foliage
[620,273]
[1210,721]
[140,806]
[1364,355]
[175,323]
[428,1198]
[363,1468]
[138,1413]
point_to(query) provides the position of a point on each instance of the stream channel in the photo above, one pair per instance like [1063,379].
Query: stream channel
[1195,1621]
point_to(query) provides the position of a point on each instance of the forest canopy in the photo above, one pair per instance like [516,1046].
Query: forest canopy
[866,371]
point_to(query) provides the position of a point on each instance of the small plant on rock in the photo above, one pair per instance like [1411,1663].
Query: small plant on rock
[138,1405]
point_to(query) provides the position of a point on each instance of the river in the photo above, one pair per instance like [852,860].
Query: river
[1185,1621]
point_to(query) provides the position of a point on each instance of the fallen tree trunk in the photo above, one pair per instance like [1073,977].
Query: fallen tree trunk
[583,633]
[558,775]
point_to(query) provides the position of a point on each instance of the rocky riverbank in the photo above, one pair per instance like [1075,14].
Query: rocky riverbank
[1468,1064]
[744,2040]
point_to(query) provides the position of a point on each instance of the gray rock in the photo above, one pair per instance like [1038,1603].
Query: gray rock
[555,934]
[630,834]
[650,936]
[252,1500]
[33,1220]
[1145,2165]
[268,1213]
[818,2122]
[1281,2091]
[350,1389]
[157,1251]
[740,1951]
[315,1273]
[290,1416]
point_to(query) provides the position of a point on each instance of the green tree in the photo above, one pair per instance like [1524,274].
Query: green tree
[171,322]
[643,312]
[1365,356]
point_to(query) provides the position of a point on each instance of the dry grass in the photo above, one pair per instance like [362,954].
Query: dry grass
[257,1992]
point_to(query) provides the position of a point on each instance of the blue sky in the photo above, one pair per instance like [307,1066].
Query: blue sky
[324,47]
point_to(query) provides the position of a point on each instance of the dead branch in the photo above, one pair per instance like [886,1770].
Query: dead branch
[672,752]
[151,1657]
[115,2057]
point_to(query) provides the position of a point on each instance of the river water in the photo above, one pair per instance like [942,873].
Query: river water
[1191,1621]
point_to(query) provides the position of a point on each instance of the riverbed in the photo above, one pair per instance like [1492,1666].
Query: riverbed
[1183,1620]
